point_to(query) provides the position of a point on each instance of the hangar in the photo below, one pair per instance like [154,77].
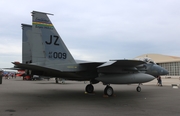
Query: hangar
[170,63]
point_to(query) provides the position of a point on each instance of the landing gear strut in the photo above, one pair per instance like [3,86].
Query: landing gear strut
[56,79]
[108,91]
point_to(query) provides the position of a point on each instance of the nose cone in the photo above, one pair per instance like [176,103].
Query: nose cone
[158,70]
[164,72]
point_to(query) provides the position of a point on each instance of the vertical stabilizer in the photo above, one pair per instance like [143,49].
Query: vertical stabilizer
[26,43]
[47,47]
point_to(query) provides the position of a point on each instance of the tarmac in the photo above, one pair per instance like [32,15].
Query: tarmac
[46,98]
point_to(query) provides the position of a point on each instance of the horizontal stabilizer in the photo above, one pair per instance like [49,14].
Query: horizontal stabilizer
[41,70]
[30,66]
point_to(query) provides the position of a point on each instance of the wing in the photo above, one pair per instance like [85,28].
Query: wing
[90,65]
[120,66]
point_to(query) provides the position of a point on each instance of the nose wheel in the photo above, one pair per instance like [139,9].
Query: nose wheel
[138,89]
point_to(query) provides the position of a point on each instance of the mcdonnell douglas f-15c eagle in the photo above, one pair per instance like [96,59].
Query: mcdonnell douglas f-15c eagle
[46,54]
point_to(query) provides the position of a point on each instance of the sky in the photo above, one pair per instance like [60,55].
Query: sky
[96,30]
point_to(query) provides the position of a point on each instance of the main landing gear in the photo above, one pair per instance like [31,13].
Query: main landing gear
[107,91]
[89,88]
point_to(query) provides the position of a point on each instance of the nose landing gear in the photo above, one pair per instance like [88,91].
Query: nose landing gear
[138,89]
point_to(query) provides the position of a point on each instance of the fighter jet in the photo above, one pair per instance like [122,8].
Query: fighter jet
[48,56]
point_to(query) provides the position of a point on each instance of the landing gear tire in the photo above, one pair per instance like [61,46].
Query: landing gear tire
[138,89]
[109,91]
[89,88]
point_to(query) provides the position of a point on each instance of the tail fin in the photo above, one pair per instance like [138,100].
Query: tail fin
[26,45]
[47,47]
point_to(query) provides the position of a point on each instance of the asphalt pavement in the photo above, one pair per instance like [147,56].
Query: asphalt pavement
[46,98]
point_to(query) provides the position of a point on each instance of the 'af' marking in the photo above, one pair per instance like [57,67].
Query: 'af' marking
[51,39]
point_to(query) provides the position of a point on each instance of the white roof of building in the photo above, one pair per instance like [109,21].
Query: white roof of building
[158,58]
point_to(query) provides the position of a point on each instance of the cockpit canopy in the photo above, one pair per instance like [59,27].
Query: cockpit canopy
[147,60]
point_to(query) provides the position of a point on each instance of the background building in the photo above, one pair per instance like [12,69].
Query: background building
[170,63]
